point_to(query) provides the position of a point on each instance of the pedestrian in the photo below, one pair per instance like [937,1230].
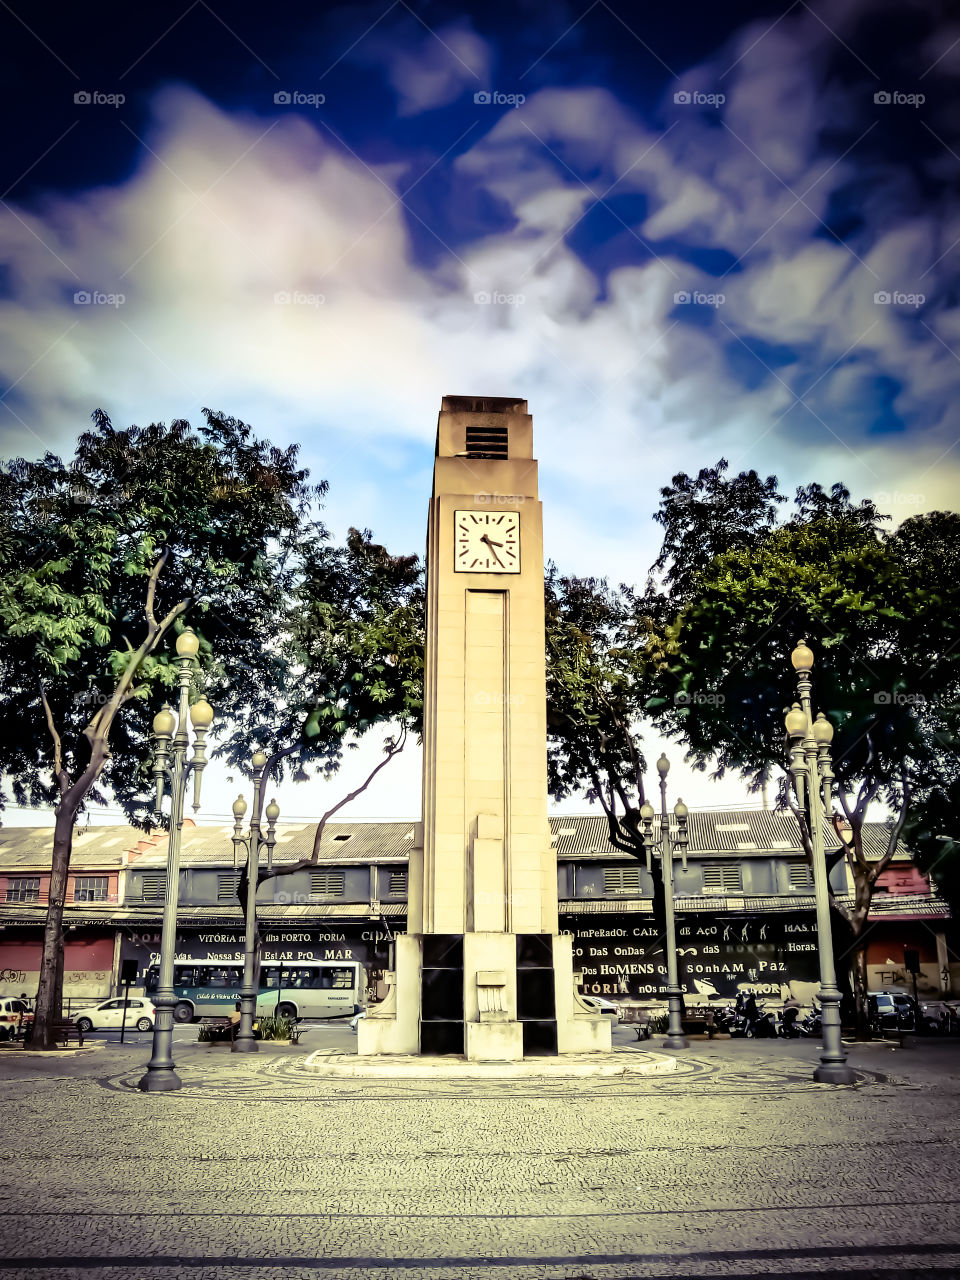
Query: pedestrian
[751,1013]
[790,1014]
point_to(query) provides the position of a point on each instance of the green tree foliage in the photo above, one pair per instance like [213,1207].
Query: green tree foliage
[352,659]
[598,685]
[704,516]
[880,611]
[101,560]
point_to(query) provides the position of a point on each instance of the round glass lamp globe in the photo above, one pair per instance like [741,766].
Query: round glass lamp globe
[823,730]
[239,807]
[201,714]
[802,657]
[164,722]
[188,643]
[258,759]
[795,722]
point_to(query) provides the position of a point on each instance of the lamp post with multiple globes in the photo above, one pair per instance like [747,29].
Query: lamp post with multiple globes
[666,848]
[170,764]
[250,844]
[812,772]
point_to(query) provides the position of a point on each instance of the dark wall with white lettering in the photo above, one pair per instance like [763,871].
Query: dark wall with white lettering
[622,956]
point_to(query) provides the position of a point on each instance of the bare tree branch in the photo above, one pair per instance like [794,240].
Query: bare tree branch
[59,777]
[289,869]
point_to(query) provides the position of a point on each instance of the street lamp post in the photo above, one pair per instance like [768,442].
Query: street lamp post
[250,844]
[812,773]
[665,849]
[170,764]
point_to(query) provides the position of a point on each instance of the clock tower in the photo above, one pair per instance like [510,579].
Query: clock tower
[482,970]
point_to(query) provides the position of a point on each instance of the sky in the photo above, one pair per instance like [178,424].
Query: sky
[679,232]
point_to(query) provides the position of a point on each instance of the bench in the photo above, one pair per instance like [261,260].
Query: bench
[220,1029]
[61,1030]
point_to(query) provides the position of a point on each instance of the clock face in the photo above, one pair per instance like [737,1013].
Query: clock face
[486,541]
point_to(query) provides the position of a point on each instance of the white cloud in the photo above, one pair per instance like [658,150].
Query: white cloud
[429,68]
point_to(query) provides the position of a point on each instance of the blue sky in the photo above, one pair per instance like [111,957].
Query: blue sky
[698,232]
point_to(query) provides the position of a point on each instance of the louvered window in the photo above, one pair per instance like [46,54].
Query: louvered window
[801,875]
[398,884]
[721,877]
[91,888]
[227,888]
[154,885]
[326,884]
[621,880]
[486,442]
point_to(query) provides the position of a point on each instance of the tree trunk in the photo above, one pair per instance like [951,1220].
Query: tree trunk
[860,990]
[49,1006]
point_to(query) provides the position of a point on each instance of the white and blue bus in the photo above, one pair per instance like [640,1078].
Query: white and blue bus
[306,989]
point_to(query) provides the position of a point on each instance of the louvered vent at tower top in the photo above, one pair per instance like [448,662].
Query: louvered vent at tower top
[487,442]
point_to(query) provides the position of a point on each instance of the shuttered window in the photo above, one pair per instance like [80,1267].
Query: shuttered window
[154,885]
[326,884]
[398,884]
[621,880]
[722,877]
[801,875]
[227,888]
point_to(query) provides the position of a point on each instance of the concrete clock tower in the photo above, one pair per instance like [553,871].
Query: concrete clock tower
[482,970]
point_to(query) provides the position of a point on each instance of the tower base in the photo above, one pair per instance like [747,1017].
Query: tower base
[490,997]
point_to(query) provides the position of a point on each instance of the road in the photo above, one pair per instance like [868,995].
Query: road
[737,1164]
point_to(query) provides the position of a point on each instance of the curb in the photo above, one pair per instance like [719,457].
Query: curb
[635,1062]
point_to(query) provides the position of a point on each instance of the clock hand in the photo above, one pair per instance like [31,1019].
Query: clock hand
[491,545]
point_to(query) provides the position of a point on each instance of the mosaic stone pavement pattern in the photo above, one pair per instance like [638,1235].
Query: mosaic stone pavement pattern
[734,1166]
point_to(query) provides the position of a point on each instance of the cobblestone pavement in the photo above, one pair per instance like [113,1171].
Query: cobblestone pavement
[736,1164]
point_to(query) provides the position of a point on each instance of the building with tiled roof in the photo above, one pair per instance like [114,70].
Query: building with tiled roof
[747,893]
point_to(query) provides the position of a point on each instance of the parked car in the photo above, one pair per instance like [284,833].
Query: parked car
[891,1011]
[108,1015]
[938,1017]
[15,1017]
[604,1006]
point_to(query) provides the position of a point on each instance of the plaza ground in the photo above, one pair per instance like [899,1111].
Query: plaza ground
[737,1164]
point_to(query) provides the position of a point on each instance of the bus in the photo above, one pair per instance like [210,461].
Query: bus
[306,989]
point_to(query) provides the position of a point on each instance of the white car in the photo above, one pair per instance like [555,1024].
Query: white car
[108,1016]
[15,1017]
[604,1006]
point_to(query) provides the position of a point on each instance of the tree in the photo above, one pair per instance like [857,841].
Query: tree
[351,660]
[100,561]
[598,685]
[879,611]
[706,515]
